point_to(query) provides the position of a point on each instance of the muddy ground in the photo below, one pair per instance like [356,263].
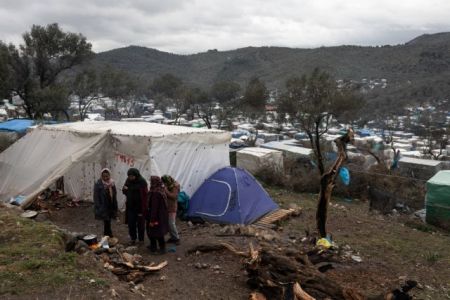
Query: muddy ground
[392,248]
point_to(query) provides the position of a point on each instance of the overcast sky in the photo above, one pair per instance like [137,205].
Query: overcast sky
[190,26]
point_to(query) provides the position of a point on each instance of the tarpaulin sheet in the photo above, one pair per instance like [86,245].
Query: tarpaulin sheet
[17,125]
[438,200]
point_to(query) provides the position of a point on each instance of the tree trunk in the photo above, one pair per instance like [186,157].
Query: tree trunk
[319,150]
[66,114]
[327,183]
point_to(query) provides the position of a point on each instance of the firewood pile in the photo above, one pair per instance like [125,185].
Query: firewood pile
[115,258]
[129,267]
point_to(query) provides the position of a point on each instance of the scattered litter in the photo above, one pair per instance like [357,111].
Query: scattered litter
[17,200]
[131,249]
[114,293]
[356,258]
[104,242]
[421,214]
[324,243]
[29,214]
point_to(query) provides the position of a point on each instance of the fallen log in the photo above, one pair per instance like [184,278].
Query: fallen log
[257,296]
[300,294]
[211,247]
[272,273]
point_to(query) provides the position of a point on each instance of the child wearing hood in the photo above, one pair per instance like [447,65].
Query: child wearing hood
[172,189]
[135,190]
[158,217]
[105,201]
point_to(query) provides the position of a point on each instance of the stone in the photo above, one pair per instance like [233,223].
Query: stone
[131,249]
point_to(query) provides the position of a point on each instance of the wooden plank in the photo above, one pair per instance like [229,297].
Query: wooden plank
[274,217]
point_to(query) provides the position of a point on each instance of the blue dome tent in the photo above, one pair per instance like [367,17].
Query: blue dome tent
[231,195]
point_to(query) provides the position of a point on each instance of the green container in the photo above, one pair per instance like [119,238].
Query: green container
[437,201]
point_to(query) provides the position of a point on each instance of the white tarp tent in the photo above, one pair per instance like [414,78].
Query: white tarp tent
[253,159]
[78,151]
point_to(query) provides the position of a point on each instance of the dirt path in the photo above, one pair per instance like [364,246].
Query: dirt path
[182,280]
[391,252]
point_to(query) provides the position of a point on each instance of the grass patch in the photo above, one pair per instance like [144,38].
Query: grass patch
[432,257]
[420,226]
[32,255]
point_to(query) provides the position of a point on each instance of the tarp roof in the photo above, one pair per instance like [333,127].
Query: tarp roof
[17,125]
[441,178]
[283,146]
[419,161]
[129,128]
[256,151]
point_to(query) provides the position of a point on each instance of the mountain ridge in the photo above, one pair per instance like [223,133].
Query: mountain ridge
[423,61]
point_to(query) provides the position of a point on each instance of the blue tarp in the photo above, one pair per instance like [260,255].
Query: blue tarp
[17,125]
[240,132]
[344,174]
[364,132]
[231,195]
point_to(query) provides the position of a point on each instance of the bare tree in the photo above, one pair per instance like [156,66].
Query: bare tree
[313,101]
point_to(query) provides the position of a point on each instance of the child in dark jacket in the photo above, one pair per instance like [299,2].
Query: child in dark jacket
[158,223]
[105,201]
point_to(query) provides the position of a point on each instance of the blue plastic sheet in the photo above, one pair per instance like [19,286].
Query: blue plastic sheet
[344,174]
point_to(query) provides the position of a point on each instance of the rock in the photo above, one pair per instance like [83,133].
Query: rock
[162,278]
[81,247]
[131,249]
[205,266]
[216,267]
[268,237]
[42,217]
[71,243]
[100,251]
[113,242]
[137,258]
[105,257]
[178,258]
[114,294]
[190,224]
[198,265]
[128,257]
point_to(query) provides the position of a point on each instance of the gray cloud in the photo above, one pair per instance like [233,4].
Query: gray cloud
[198,25]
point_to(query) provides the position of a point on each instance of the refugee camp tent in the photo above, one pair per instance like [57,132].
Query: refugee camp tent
[231,195]
[78,151]
[418,168]
[438,200]
[253,159]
